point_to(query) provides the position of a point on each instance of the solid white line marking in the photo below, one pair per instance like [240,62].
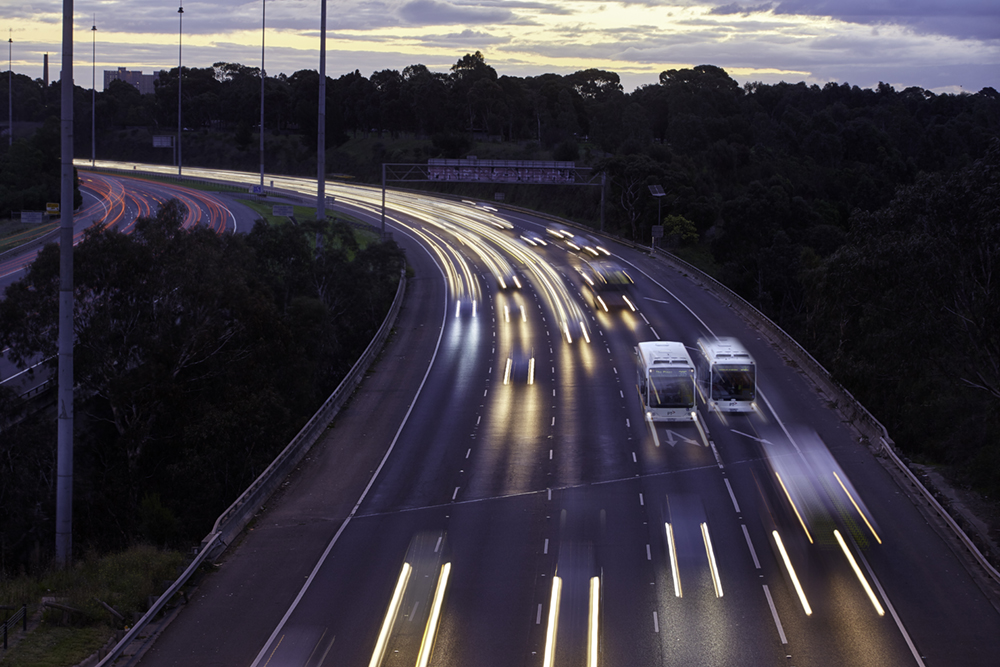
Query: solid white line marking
[654,333]
[892,610]
[732,495]
[774,613]
[753,553]
[343,526]
[718,459]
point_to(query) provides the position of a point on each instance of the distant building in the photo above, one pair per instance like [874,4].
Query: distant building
[144,82]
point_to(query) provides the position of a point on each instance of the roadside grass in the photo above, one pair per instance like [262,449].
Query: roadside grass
[54,646]
[699,255]
[363,237]
[125,581]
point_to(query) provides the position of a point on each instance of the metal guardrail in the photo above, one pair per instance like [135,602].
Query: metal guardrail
[241,512]
[858,414]
[232,522]
[20,616]
[863,420]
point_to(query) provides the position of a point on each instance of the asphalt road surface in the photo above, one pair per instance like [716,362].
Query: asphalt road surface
[550,523]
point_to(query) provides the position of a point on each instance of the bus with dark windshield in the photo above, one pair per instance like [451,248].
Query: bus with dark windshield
[667,379]
[727,375]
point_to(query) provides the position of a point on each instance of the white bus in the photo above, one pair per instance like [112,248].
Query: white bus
[727,375]
[667,379]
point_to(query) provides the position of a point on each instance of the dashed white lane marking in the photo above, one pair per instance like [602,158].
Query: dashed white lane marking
[732,495]
[774,613]
[753,553]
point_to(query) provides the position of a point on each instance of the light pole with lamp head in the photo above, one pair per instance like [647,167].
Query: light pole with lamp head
[263,16]
[10,92]
[321,126]
[656,191]
[93,95]
[180,78]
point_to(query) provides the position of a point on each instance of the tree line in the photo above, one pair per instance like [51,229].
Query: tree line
[198,356]
[862,220]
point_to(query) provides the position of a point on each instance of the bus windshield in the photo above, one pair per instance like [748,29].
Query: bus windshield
[671,388]
[733,383]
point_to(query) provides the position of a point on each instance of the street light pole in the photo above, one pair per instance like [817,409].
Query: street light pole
[180,78]
[93,96]
[656,191]
[263,17]
[321,128]
[64,402]
[10,91]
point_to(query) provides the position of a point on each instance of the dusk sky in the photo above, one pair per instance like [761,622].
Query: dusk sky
[940,45]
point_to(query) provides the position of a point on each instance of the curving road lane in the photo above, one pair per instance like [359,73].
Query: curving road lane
[478,494]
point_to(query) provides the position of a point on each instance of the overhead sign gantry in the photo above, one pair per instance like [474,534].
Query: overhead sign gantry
[472,170]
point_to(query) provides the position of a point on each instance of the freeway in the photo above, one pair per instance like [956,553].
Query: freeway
[459,514]
[116,202]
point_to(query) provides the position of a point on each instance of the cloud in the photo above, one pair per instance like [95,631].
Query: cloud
[742,10]
[550,8]
[916,42]
[432,12]
[965,19]
[460,41]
